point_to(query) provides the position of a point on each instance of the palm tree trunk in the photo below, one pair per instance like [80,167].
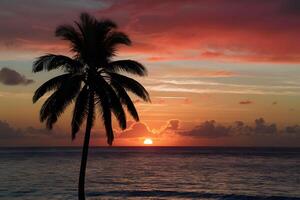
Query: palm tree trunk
[85,149]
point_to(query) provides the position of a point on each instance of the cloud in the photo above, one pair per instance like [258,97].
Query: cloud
[210,129]
[207,129]
[12,77]
[192,72]
[293,130]
[261,127]
[173,125]
[246,102]
[161,101]
[9,132]
[43,132]
[221,30]
[221,86]
[290,7]
[234,90]
[213,29]
[6,131]
[140,129]
[260,131]
[30,33]
[137,130]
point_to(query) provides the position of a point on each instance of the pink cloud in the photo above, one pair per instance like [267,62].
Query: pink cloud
[248,31]
[243,30]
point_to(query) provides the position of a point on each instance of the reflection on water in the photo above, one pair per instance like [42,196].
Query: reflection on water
[152,173]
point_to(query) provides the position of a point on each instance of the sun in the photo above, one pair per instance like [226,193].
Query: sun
[148,141]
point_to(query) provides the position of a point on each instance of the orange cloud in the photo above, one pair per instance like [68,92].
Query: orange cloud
[137,130]
[193,72]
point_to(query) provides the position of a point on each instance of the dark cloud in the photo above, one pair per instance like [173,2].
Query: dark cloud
[262,128]
[208,129]
[9,132]
[173,125]
[246,102]
[42,132]
[292,130]
[211,129]
[240,128]
[12,77]
[290,7]
[6,131]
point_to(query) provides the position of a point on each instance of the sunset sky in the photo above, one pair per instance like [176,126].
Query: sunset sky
[221,72]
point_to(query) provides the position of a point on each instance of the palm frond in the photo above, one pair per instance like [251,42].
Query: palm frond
[131,85]
[87,20]
[125,99]
[88,26]
[69,33]
[104,27]
[112,40]
[129,66]
[54,106]
[49,85]
[104,90]
[51,61]
[116,38]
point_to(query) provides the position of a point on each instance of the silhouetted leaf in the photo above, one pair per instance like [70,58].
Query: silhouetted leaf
[129,66]
[131,85]
[49,85]
[125,99]
[50,61]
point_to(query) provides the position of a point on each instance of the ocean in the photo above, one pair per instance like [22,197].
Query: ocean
[206,173]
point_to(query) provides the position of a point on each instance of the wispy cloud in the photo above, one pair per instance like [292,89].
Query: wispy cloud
[170,88]
[184,71]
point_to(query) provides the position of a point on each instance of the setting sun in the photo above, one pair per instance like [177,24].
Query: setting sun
[148,141]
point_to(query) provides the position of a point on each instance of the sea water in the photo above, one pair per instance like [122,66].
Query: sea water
[151,173]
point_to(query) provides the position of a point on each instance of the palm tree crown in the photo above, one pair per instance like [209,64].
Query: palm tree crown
[91,78]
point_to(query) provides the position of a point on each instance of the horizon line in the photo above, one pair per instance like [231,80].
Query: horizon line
[150,146]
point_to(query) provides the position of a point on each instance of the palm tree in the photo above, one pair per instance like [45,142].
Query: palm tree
[91,79]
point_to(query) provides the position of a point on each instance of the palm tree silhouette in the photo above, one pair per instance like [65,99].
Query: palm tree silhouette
[91,79]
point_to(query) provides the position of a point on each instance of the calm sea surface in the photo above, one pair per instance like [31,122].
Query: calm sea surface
[151,173]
